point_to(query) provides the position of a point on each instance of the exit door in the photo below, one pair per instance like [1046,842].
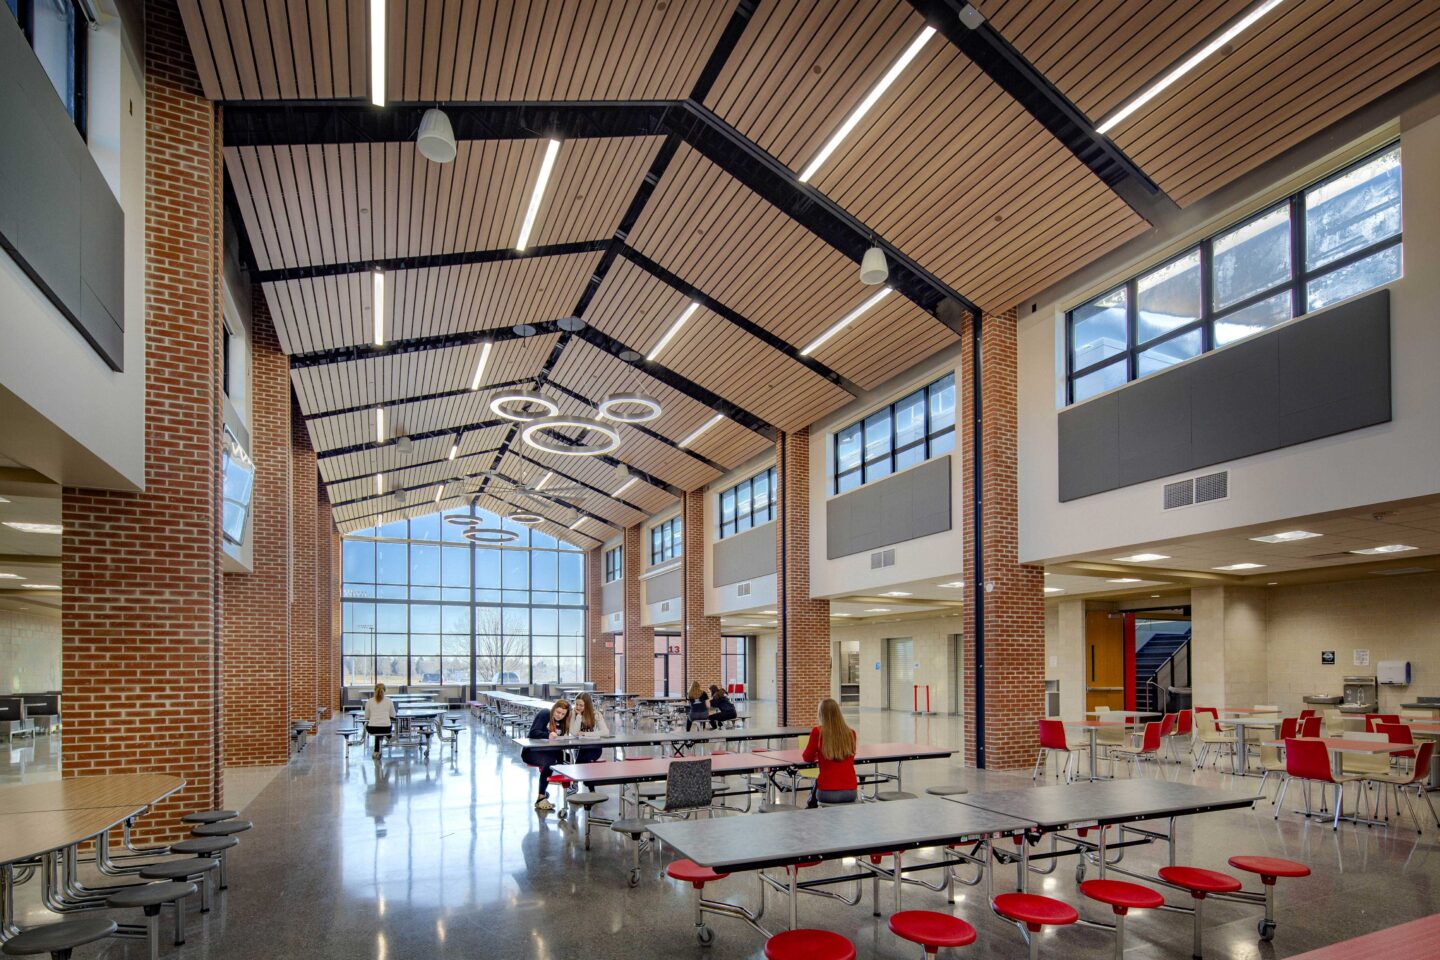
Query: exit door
[669,665]
[1104,661]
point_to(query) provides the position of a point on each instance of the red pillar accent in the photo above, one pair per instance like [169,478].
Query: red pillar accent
[803,644]
[702,633]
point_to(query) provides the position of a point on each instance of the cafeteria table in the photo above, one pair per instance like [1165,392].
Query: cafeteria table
[735,844]
[873,754]
[1240,757]
[1336,746]
[677,742]
[626,773]
[1092,730]
[1415,940]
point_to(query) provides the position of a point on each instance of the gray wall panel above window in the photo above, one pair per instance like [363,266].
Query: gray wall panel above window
[612,597]
[666,586]
[907,506]
[744,556]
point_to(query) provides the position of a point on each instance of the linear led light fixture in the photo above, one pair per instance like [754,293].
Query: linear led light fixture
[845,321]
[1123,580]
[1229,567]
[546,165]
[377,52]
[549,475]
[576,524]
[439,492]
[377,306]
[674,329]
[1142,557]
[871,98]
[701,429]
[379,485]
[1188,64]
[1287,536]
[454,448]
[480,367]
[624,486]
[379,424]
[1368,551]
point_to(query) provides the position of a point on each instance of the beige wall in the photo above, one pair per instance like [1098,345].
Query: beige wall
[935,650]
[1065,653]
[29,651]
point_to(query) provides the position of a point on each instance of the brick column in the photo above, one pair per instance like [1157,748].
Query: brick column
[1014,597]
[326,645]
[639,641]
[304,484]
[599,659]
[802,649]
[702,633]
[140,630]
[256,621]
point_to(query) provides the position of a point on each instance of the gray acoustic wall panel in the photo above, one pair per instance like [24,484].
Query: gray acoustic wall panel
[666,586]
[744,556]
[612,597]
[58,218]
[1325,374]
[909,505]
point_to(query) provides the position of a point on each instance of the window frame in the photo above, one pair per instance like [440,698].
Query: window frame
[614,570]
[752,518]
[1296,285]
[666,541]
[24,12]
[927,441]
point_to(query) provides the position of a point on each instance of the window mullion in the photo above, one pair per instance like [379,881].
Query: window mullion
[1297,255]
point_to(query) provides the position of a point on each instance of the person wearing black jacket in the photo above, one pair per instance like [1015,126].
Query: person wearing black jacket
[552,724]
[721,706]
[699,708]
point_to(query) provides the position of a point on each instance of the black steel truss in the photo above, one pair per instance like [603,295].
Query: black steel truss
[409,466]
[395,348]
[640,428]
[418,398]
[416,437]
[427,262]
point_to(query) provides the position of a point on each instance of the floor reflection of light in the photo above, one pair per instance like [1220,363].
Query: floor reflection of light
[381,947]
[380,906]
[440,929]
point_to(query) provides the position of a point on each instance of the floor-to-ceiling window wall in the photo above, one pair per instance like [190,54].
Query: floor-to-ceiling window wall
[424,605]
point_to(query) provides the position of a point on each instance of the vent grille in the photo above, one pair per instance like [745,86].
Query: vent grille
[882,558]
[743,590]
[664,606]
[1206,489]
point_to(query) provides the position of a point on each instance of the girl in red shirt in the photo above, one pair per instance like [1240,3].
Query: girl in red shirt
[832,744]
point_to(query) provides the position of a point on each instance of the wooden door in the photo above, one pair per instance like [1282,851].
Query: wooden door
[1104,661]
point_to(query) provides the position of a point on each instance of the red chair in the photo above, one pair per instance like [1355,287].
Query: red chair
[1310,727]
[1398,733]
[1149,745]
[1122,897]
[1415,777]
[1307,713]
[1184,730]
[1272,759]
[1210,710]
[1052,740]
[931,930]
[809,945]
[1031,913]
[688,871]
[1308,760]
[1200,883]
[1371,719]
[1269,869]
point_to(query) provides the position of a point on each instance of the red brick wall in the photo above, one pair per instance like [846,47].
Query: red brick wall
[1015,606]
[599,659]
[256,621]
[304,667]
[802,651]
[140,632]
[702,633]
[639,641]
[327,645]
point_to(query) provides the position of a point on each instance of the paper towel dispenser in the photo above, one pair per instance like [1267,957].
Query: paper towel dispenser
[1393,672]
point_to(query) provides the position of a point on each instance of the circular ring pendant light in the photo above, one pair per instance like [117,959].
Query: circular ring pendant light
[520,405]
[622,408]
[490,535]
[539,434]
[525,518]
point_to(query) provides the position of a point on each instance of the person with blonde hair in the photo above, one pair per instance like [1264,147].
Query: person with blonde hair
[699,709]
[832,746]
[586,721]
[550,724]
[379,717]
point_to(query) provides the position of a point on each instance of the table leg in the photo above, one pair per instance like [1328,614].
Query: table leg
[899,880]
[7,902]
[1024,879]
[794,895]
[1103,831]
[1239,748]
[1094,747]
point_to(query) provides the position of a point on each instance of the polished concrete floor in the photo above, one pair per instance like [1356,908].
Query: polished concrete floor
[447,859]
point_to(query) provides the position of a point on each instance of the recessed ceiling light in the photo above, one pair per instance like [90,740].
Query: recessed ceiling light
[454,449]
[1240,566]
[1123,580]
[1287,536]
[624,486]
[379,485]
[546,166]
[379,424]
[3,500]
[769,613]
[11,576]
[1054,589]
[1368,551]
[1154,596]
[377,52]
[877,610]
[40,586]
[845,321]
[896,593]
[839,614]
[1272,583]
[377,305]
[480,367]
[1142,557]
[871,98]
[674,329]
[952,585]
[1188,64]
[701,429]
[25,527]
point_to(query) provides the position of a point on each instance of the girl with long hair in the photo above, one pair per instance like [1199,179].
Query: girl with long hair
[699,709]
[586,721]
[832,745]
[379,717]
[551,724]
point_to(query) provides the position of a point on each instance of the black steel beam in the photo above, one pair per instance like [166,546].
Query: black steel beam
[1018,77]
[395,348]
[419,398]
[408,466]
[427,262]
[579,483]
[417,437]
[641,428]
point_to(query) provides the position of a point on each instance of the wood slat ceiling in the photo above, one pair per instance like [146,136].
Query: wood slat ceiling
[731,444]
[637,309]
[1301,69]
[336,386]
[326,312]
[356,202]
[355,517]
[430,475]
[367,463]
[658,459]
[1025,212]
[349,429]
[708,229]
[599,476]
[455,49]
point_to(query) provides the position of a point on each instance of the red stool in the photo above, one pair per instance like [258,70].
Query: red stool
[565,784]
[1270,869]
[809,945]
[1031,912]
[688,871]
[1200,883]
[931,930]
[1122,898]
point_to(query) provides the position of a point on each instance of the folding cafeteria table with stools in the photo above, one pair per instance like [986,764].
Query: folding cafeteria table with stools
[677,743]
[872,755]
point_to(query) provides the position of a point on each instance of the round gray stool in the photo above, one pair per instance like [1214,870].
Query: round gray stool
[636,830]
[209,816]
[151,897]
[586,800]
[222,829]
[195,869]
[885,795]
[947,790]
[208,847]
[58,939]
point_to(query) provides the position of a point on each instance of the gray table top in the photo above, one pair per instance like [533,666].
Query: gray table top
[1106,801]
[655,739]
[764,840]
[650,769]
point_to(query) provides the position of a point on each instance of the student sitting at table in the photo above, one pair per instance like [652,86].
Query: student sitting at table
[721,707]
[832,744]
[379,716]
[699,709]
[586,721]
[551,724]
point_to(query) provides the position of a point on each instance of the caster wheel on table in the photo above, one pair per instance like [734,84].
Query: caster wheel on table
[635,877]
[1080,872]
[704,936]
[1267,930]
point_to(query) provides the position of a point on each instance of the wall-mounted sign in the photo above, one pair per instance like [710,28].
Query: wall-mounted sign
[674,648]
[1362,658]
[609,644]
[877,664]
[1327,657]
